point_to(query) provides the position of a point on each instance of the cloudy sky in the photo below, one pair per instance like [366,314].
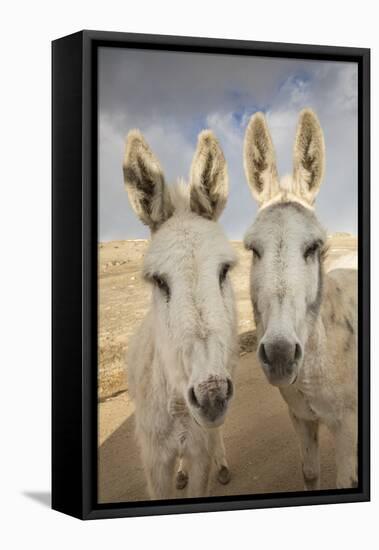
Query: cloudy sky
[172,96]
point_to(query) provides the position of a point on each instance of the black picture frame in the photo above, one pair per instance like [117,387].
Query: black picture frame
[74,272]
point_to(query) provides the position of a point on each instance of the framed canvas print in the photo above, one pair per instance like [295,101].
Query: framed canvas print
[210,275]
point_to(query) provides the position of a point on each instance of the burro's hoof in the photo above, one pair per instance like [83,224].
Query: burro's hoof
[223,475]
[181,479]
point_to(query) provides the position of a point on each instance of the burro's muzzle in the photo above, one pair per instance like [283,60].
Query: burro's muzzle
[280,357]
[209,400]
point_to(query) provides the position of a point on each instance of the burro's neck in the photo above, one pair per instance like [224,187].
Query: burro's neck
[317,336]
[315,353]
[165,359]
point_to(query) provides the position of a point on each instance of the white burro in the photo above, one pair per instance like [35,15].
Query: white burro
[181,359]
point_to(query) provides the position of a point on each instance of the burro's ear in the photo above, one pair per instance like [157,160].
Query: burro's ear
[208,178]
[144,182]
[259,160]
[308,156]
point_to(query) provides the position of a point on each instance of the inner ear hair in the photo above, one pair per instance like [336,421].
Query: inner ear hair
[259,159]
[309,156]
[144,182]
[208,178]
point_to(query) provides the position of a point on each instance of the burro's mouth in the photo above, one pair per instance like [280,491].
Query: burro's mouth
[277,375]
[208,424]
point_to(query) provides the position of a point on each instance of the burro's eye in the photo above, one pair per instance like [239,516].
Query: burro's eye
[223,272]
[162,284]
[311,250]
[256,254]
[252,244]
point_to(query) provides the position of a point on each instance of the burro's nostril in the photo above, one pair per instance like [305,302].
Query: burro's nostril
[192,398]
[230,389]
[298,352]
[262,354]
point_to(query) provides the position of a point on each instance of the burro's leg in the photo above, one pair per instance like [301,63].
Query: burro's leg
[346,451]
[307,432]
[177,410]
[159,465]
[200,461]
[182,473]
[217,449]
[198,480]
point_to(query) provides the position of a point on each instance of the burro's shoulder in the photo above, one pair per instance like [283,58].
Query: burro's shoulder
[342,275]
[339,305]
[340,287]
[339,315]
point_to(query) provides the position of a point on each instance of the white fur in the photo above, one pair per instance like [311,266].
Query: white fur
[188,339]
[316,322]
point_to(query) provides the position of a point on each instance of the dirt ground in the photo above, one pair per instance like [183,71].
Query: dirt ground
[260,442]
